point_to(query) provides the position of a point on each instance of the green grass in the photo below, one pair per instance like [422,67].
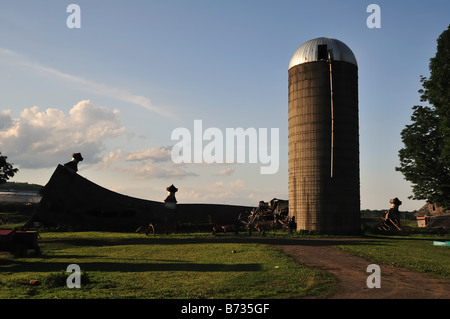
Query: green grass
[193,266]
[13,220]
[118,265]
[414,252]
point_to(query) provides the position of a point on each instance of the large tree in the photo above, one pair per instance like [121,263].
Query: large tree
[6,169]
[425,158]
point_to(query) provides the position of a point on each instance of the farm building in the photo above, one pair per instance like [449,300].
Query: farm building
[433,216]
[71,200]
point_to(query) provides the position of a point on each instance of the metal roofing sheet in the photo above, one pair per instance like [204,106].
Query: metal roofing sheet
[308,52]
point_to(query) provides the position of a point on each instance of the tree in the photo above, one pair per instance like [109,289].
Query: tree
[425,158]
[6,169]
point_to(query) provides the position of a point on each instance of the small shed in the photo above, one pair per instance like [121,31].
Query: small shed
[431,215]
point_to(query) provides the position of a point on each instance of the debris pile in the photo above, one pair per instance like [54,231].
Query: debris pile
[270,215]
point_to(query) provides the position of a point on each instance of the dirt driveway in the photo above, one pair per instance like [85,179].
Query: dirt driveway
[396,283]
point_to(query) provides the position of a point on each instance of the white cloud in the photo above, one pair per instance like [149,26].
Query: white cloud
[156,171]
[239,183]
[226,171]
[217,192]
[87,85]
[155,154]
[111,158]
[41,139]
[154,162]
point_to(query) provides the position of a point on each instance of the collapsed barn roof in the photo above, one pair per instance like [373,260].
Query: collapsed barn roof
[69,199]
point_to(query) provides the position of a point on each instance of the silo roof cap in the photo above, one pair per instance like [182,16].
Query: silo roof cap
[309,51]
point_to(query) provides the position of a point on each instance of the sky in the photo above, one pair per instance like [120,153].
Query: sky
[117,87]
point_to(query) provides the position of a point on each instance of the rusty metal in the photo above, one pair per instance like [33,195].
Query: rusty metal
[269,216]
[391,220]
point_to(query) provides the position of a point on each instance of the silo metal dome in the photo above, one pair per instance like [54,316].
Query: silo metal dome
[309,51]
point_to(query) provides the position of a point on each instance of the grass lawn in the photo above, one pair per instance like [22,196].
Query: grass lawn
[192,266]
[119,265]
[415,252]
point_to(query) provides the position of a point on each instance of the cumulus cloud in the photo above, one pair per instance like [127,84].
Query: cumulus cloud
[153,162]
[213,193]
[226,172]
[41,139]
[156,162]
[157,171]
[155,154]
[239,183]
[111,158]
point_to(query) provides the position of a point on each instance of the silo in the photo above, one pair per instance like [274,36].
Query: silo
[324,194]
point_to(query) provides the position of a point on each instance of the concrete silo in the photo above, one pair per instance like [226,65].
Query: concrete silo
[324,194]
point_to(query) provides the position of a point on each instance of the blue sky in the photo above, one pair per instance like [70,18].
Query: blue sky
[116,88]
